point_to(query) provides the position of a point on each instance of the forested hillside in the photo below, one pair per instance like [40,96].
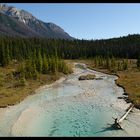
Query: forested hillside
[26,63]
[21,48]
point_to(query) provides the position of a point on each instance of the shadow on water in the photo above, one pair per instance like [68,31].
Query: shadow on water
[53,131]
[109,128]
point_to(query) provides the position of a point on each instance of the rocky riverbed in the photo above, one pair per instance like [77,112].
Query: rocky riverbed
[70,107]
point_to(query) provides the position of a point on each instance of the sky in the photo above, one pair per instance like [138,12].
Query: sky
[88,20]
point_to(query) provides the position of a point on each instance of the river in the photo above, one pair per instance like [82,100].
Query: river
[71,108]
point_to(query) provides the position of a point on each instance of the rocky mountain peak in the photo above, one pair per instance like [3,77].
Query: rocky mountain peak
[49,30]
[20,15]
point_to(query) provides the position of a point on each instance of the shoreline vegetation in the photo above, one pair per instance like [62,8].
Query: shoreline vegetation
[128,79]
[13,91]
[16,87]
[11,94]
[25,65]
[24,61]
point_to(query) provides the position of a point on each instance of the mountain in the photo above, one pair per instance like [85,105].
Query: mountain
[20,22]
[11,27]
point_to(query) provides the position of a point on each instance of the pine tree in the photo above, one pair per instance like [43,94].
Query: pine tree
[21,70]
[2,57]
[95,62]
[108,65]
[7,56]
[119,66]
[113,64]
[53,65]
[39,62]
[125,65]
[44,65]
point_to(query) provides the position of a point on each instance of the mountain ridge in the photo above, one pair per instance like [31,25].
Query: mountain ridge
[27,20]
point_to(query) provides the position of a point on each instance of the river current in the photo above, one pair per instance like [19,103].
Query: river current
[72,108]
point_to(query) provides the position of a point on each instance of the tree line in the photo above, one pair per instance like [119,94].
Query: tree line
[43,53]
[31,57]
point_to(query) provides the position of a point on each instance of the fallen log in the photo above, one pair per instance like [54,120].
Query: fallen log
[125,115]
[117,122]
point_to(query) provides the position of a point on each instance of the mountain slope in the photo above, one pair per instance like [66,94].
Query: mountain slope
[26,21]
[11,27]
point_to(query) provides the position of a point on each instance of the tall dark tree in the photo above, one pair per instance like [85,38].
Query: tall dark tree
[39,62]
[44,65]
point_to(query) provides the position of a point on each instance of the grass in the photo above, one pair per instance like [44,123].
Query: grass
[129,79]
[10,94]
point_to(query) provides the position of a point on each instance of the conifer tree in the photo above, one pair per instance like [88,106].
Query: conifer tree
[44,65]
[124,65]
[39,62]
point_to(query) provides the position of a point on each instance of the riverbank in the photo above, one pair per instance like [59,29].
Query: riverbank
[13,92]
[71,108]
[129,79]
[12,96]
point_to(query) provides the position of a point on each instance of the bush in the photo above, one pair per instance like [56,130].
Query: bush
[1,79]
[21,82]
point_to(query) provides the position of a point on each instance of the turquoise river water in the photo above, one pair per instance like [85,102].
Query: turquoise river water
[71,108]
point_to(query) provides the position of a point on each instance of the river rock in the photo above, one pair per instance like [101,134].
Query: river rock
[87,77]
